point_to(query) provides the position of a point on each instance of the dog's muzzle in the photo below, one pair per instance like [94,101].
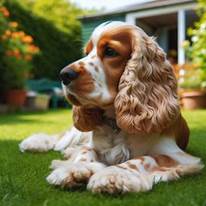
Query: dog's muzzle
[67,75]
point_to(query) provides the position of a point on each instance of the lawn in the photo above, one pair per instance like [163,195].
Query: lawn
[22,176]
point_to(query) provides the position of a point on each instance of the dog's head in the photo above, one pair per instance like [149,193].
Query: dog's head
[126,69]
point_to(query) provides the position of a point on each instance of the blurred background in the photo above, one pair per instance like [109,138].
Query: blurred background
[39,37]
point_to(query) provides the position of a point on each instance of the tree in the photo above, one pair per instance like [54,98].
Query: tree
[61,13]
[59,43]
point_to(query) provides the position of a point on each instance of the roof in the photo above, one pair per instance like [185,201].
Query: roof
[139,6]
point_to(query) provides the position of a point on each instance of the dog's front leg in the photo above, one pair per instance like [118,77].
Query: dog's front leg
[130,176]
[166,162]
[77,170]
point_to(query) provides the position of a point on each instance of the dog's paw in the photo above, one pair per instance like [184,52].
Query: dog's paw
[70,153]
[38,143]
[59,163]
[115,180]
[65,140]
[70,175]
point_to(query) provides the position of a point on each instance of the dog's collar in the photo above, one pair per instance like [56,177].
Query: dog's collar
[111,122]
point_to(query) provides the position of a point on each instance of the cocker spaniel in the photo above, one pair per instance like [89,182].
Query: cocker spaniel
[128,131]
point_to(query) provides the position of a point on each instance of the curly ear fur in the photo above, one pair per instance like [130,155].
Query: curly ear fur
[86,119]
[147,100]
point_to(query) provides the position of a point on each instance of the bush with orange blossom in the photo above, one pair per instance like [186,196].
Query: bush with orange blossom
[17,50]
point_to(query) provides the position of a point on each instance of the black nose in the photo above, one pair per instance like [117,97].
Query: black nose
[67,75]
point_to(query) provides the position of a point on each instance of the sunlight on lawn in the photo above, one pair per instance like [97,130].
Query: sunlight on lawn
[19,126]
[22,175]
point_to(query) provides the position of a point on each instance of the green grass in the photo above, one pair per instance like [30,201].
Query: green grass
[22,176]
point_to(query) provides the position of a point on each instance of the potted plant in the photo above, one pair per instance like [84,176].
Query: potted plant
[192,79]
[192,83]
[16,55]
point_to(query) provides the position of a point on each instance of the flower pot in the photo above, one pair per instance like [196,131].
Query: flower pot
[42,101]
[38,101]
[194,99]
[16,97]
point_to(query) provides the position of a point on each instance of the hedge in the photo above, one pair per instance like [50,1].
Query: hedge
[58,48]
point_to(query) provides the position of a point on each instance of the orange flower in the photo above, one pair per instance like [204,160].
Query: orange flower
[15,35]
[4,37]
[27,39]
[18,56]
[18,34]
[21,33]
[9,53]
[33,49]
[16,52]
[30,48]
[4,11]
[13,24]
[28,57]
[36,50]
[7,33]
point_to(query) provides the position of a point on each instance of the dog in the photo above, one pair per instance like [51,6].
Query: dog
[128,131]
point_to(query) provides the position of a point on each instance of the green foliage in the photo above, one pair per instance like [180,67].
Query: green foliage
[193,79]
[196,52]
[58,48]
[61,13]
[17,50]
[15,75]
[198,37]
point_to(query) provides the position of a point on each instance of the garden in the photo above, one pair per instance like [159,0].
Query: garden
[192,75]
[34,47]
[35,44]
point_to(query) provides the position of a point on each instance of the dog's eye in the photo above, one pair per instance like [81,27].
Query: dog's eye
[109,52]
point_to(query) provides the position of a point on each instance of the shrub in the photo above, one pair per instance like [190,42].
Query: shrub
[58,48]
[17,51]
[196,51]
[198,37]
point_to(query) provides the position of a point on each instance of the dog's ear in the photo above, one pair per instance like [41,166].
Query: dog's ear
[147,99]
[86,119]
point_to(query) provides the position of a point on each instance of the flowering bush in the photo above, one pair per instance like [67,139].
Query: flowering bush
[58,47]
[191,77]
[196,49]
[17,51]
[198,37]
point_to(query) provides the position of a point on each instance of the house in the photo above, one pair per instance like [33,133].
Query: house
[167,20]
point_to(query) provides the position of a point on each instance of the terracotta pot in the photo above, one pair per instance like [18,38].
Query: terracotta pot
[194,99]
[16,97]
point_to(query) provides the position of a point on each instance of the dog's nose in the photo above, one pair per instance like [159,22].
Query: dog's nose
[67,75]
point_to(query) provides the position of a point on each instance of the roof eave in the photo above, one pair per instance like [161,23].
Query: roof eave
[145,6]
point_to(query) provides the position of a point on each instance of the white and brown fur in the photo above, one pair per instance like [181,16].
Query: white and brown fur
[128,131]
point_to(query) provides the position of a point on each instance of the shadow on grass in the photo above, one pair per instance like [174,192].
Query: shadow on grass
[10,153]
[18,120]
[22,182]
[26,117]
